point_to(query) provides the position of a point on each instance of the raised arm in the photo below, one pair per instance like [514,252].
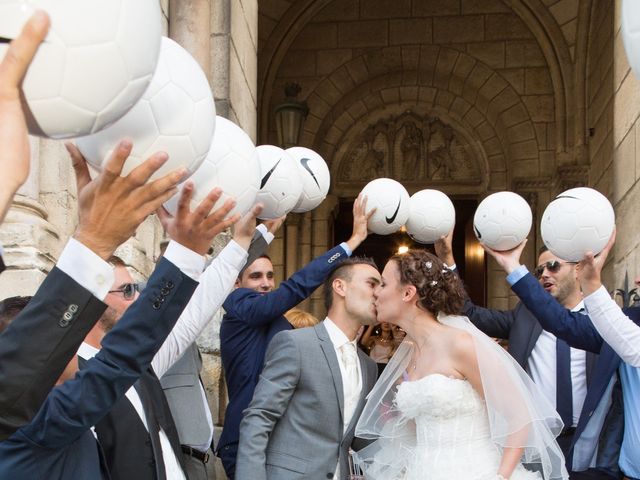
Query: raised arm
[616,328]
[260,309]
[272,395]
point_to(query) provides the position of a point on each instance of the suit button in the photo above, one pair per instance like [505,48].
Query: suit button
[164,291]
[73,308]
[67,316]
[170,285]
[63,323]
[156,305]
[329,475]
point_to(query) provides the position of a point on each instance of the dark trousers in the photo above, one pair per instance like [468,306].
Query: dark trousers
[228,455]
[564,441]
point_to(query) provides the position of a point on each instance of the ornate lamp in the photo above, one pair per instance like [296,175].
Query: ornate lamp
[290,116]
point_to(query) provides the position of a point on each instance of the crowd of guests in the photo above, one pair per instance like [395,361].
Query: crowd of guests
[99,377]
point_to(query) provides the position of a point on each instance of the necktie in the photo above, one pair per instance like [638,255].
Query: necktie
[350,380]
[564,396]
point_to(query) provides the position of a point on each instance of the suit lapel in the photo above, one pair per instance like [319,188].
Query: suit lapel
[334,367]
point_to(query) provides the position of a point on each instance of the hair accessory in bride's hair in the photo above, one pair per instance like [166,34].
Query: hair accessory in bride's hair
[433,283]
[428,264]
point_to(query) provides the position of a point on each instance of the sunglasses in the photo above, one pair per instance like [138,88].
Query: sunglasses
[553,266]
[128,290]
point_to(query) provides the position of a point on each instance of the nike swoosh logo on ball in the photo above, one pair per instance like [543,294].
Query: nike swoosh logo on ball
[265,179]
[305,165]
[395,214]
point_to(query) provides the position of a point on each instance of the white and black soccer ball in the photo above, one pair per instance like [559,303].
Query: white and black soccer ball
[95,64]
[431,216]
[176,115]
[391,201]
[315,176]
[280,182]
[630,28]
[232,165]
[502,221]
[577,221]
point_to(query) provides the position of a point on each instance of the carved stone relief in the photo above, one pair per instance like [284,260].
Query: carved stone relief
[410,148]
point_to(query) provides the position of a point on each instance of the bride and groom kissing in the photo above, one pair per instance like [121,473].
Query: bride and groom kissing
[450,404]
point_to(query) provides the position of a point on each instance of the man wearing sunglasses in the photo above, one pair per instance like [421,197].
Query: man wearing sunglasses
[563,374]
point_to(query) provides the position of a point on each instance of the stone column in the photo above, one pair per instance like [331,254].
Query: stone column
[322,216]
[190,26]
[292,243]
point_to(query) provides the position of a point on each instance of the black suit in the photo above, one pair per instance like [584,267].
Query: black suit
[38,344]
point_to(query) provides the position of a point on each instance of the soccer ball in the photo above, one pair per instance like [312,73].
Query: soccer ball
[502,221]
[280,182]
[431,215]
[315,178]
[232,164]
[175,115]
[630,19]
[94,65]
[579,220]
[391,201]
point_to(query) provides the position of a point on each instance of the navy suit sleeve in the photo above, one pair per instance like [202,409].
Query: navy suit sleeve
[72,408]
[260,309]
[574,328]
[38,344]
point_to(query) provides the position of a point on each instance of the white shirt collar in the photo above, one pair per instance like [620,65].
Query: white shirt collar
[86,351]
[578,307]
[337,336]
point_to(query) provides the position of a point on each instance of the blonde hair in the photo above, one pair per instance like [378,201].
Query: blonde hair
[300,319]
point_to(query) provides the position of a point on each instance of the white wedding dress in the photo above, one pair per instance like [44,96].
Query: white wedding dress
[453,439]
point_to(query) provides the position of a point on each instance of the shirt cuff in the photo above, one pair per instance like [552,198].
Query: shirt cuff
[346,248]
[598,299]
[189,262]
[515,276]
[266,234]
[86,268]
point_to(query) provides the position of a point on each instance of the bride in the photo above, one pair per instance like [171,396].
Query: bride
[451,404]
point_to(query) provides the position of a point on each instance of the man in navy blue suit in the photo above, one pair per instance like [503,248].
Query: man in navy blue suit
[58,442]
[607,434]
[564,375]
[255,313]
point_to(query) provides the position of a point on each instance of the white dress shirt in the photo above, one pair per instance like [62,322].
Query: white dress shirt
[351,393]
[618,330]
[542,366]
[171,463]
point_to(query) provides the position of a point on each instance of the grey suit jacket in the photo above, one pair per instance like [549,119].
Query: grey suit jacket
[293,428]
[181,385]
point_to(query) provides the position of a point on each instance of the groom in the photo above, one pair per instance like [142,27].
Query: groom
[301,421]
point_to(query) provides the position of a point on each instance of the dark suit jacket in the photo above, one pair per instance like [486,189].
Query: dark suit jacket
[250,322]
[578,331]
[38,344]
[58,443]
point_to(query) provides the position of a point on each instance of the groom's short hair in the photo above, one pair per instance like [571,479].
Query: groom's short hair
[343,271]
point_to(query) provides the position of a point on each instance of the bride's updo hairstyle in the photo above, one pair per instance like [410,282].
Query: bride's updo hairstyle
[438,288]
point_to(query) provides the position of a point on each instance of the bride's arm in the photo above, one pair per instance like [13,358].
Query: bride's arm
[467,365]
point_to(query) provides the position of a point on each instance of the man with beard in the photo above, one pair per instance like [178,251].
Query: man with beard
[562,373]
[301,421]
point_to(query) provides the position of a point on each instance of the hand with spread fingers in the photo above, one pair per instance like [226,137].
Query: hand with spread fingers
[360,220]
[14,141]
[196,230]
[589,269]
[111,207]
